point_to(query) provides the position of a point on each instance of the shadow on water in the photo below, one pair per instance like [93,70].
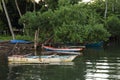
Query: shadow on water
[3,67]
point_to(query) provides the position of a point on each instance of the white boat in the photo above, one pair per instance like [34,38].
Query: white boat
[49,48]
[41,59]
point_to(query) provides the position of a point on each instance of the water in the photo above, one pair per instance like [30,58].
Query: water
[94,64]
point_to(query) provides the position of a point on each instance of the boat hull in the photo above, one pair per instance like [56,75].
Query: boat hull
[47,48]
[60,53]
[41,59]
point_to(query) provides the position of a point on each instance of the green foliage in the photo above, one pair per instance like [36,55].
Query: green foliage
[71,14]
[63,3]
[79,33]
[51,4]
[69,23]
[30,20]
[23,37]
[98,6]
[69,33]
[97,33]
[114,25]
[38,20]
[4,37]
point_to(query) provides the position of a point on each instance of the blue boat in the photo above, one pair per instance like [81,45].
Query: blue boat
[19,41]
[97,44]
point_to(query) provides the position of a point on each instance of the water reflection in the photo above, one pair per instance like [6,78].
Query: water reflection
[3,67]
[44,72]
[83,68]
[94,64]
[103,67]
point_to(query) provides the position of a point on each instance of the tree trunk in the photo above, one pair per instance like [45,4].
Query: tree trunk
[106,7]
[36,41]
[8,19]
[34,6]
[18,8]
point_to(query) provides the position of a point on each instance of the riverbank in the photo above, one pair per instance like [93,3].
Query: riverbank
[7,48]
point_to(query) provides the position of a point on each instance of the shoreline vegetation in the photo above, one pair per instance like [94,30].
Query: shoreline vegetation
[21,37]
[9,49]
[60,21]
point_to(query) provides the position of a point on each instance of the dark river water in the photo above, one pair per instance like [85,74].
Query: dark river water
[94,64]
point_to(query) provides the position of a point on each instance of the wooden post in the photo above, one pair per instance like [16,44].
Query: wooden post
[36,41]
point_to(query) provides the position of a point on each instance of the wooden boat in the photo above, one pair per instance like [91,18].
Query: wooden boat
[41,59]
[48,48]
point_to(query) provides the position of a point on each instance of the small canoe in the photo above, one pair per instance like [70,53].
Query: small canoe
[48,48]
[41,59]
[19,41]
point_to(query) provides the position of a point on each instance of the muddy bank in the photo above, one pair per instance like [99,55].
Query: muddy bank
[8,48]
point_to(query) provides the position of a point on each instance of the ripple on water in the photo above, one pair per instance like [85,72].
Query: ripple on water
[106,69]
